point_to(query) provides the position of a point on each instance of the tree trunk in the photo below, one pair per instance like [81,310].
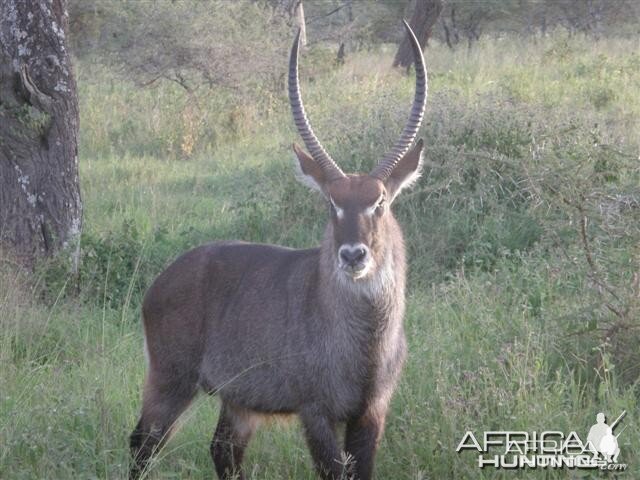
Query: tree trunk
[451,34]
[424,17]
[40,203]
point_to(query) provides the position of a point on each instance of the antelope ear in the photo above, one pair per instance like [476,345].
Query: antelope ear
[406,172]
[309,172]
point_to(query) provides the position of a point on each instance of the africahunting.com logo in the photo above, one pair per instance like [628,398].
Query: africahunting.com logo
[548,449]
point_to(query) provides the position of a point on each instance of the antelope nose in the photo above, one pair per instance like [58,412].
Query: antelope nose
[353,254]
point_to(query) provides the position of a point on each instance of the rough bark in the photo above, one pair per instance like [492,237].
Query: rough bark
[40,203]
[424,17]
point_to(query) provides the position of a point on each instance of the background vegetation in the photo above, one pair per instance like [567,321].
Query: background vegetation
[524,232]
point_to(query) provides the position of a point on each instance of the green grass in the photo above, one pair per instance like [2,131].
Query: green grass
[505,327]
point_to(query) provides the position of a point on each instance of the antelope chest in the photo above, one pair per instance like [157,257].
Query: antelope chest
[360,370]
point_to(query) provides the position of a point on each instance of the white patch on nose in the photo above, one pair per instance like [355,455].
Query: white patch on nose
[379,282]
[350,247]
[363,265]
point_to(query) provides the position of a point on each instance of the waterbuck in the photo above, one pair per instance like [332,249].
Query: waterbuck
[272,330]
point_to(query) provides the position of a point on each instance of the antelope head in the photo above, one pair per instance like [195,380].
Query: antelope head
[360,217]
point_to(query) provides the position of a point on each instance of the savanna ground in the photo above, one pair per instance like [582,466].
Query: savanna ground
[523,239]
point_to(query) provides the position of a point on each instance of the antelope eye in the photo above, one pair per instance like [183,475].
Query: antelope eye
[380,206]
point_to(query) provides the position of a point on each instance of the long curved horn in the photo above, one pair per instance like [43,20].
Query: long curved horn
[387,164]
[319,154]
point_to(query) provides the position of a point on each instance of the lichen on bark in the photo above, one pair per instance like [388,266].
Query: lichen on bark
[40,202]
